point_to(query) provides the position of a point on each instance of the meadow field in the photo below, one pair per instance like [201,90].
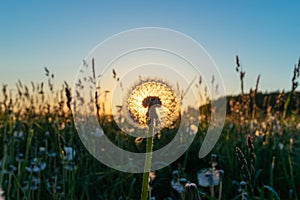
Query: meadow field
[256,157]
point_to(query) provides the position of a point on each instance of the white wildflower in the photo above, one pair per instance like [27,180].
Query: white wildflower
[208,177]
[69,153]
[280,145]
[18,134]
[1,194]
[193,129]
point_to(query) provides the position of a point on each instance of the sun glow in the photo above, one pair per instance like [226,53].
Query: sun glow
[152,99]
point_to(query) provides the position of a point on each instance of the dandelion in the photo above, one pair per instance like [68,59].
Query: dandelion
[152,99]
[151,179]
[192,129]
[11,170]
[178,183]
[151,183]
[208,177]
[33,184]
[243,185]
[151,104]
[42,150]
[20,157]
[51,154]
[69,153]
[191,192]
[280,145]
[98,132]
[47,133]
[36,166]
[298,126]
[1,194]
[18,134]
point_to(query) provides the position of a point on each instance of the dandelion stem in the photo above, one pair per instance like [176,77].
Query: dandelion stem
[220,191]
[148,160]
[212,191]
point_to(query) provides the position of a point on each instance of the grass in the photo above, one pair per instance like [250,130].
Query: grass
[42,156]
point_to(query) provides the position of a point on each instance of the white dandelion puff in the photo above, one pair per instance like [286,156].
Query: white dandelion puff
[208,177]
[69,153]
[152,99]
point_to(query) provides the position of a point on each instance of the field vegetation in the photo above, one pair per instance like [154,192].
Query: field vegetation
[256,157]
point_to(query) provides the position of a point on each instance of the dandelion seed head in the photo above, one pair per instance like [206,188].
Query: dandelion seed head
[69,153]
[1,194]
[152,99]
[208,177]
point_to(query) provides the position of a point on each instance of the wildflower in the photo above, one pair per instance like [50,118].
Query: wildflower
[191,192]
[10,170]
[18,134]
[42,151]
[152,99]
[298,126]
[32,184]
[20,157]
[208,177]
[98,132]
[280,145]
[178,183]
[51,154]
[243,186]
[36,166]
[138,142]
[1,194]
[192,129]
[151,179]
[69,153]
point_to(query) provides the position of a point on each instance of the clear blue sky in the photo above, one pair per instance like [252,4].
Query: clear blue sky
[59,34]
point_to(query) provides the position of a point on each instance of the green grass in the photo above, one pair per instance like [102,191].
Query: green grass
[42,156]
